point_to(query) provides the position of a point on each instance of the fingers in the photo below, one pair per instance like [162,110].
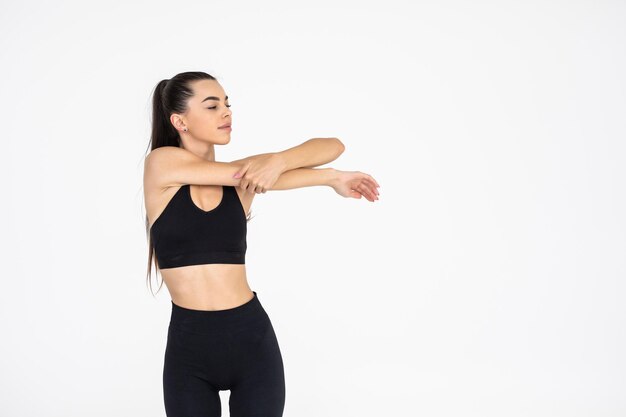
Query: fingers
[371,189]
[370,178]
[242,171]
[372,185]
[367,191]
[248,184]
[253,188]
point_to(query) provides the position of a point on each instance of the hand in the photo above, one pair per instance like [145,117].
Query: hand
[355,184]
[260,172]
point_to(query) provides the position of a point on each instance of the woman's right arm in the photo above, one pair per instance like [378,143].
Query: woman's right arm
[345,183]
[304,177]
[170,166]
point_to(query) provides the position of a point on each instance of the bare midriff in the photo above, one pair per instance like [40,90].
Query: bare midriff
[208,286]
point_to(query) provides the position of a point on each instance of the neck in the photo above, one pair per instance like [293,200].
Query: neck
[203,150]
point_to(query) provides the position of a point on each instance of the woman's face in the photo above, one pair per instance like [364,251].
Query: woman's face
[208,111]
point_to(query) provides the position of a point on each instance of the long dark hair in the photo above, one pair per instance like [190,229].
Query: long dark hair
[170,96]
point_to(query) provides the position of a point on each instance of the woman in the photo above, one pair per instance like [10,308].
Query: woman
[219,336]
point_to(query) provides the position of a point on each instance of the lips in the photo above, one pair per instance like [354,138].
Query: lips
[223,126]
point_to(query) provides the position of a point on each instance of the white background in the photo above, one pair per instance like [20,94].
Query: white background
[488,280]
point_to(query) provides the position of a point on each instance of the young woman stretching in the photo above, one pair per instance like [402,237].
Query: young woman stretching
[219,335]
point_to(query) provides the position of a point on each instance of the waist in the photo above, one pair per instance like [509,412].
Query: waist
[208,322]
[208,287]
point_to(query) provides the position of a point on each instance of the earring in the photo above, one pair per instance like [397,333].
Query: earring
[185,129]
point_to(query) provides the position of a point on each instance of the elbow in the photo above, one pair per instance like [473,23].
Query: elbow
[341,147]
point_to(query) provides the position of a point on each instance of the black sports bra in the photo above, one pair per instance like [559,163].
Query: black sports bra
[184,234]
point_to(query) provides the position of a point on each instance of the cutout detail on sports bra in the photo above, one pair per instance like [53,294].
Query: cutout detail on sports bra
[198,207]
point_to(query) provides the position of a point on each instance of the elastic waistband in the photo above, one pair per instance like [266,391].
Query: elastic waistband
[181,315]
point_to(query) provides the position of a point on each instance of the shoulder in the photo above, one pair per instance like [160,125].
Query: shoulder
[156,163]
[164,153]
[166,161]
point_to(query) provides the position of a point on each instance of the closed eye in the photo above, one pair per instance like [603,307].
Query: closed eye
[214,107]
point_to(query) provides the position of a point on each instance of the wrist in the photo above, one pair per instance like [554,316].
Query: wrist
[282,161]
[330,176]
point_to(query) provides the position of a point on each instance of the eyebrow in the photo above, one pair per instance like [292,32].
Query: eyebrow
[213,98]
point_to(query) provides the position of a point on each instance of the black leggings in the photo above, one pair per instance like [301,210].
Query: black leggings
[210,351]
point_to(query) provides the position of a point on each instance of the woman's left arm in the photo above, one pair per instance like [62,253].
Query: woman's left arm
[259,172]
[312,153]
